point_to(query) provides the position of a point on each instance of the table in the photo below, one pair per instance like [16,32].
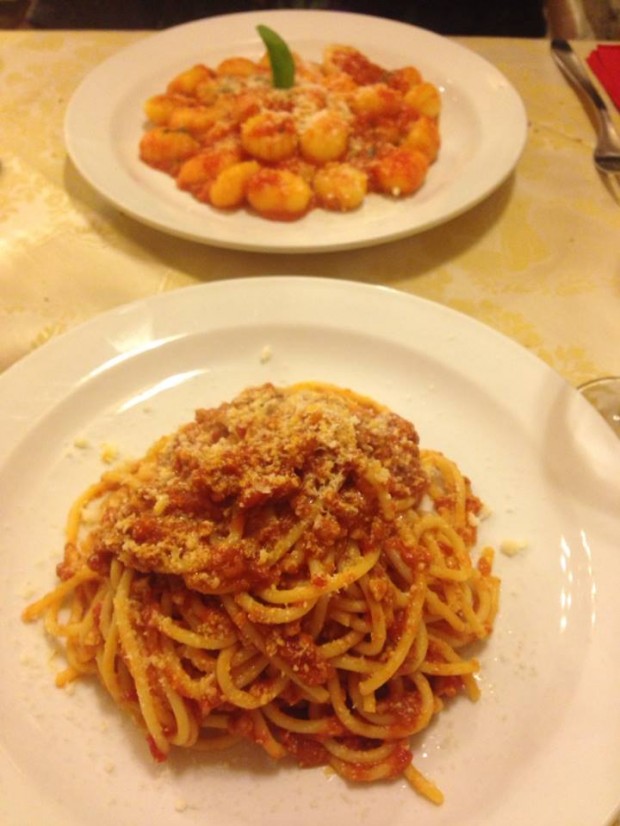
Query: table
[539,260]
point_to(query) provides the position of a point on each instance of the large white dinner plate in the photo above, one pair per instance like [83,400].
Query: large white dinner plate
[542,746]
[483,127]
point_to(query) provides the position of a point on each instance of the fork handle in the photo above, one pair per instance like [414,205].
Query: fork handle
[571,64]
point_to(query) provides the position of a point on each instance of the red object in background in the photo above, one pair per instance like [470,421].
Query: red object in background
[605,63]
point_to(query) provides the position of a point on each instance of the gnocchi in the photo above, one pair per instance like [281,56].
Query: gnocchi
[348,128]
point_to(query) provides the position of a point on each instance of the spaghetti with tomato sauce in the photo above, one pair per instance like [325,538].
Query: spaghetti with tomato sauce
[289,568]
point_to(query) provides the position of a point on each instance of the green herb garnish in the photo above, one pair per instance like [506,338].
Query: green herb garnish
[280,57]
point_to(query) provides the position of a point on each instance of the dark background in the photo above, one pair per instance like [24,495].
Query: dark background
[510,18]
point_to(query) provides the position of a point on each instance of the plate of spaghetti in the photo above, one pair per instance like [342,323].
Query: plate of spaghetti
[260,579]
[383,133]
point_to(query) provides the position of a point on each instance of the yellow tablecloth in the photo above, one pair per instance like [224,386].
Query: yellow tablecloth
[539,259]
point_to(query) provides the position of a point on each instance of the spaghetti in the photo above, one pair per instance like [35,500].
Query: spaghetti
[288,568]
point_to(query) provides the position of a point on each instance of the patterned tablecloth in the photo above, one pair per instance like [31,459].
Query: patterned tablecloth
[538,260]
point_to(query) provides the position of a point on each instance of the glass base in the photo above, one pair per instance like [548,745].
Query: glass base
[604,395]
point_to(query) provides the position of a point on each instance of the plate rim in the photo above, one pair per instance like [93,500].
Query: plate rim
[28,365]
[293,283]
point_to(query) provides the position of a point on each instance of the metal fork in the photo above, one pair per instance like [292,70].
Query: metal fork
[607,150]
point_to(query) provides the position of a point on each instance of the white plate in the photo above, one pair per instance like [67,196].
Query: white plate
[483,127]
[543,744]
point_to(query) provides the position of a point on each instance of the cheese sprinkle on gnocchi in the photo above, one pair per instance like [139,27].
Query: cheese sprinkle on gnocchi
[346,128]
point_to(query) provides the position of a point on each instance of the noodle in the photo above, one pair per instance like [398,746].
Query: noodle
[289,568]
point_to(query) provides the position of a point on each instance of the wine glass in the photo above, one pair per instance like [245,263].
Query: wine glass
[604,395]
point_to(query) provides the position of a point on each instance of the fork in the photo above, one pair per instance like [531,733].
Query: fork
[607,149]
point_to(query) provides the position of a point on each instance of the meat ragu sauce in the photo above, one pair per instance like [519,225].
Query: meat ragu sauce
[268,469]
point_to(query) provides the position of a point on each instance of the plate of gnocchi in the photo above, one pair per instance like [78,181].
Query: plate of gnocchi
[294,131]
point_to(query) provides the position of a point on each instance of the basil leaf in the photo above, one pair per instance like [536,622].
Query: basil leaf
[280,57]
